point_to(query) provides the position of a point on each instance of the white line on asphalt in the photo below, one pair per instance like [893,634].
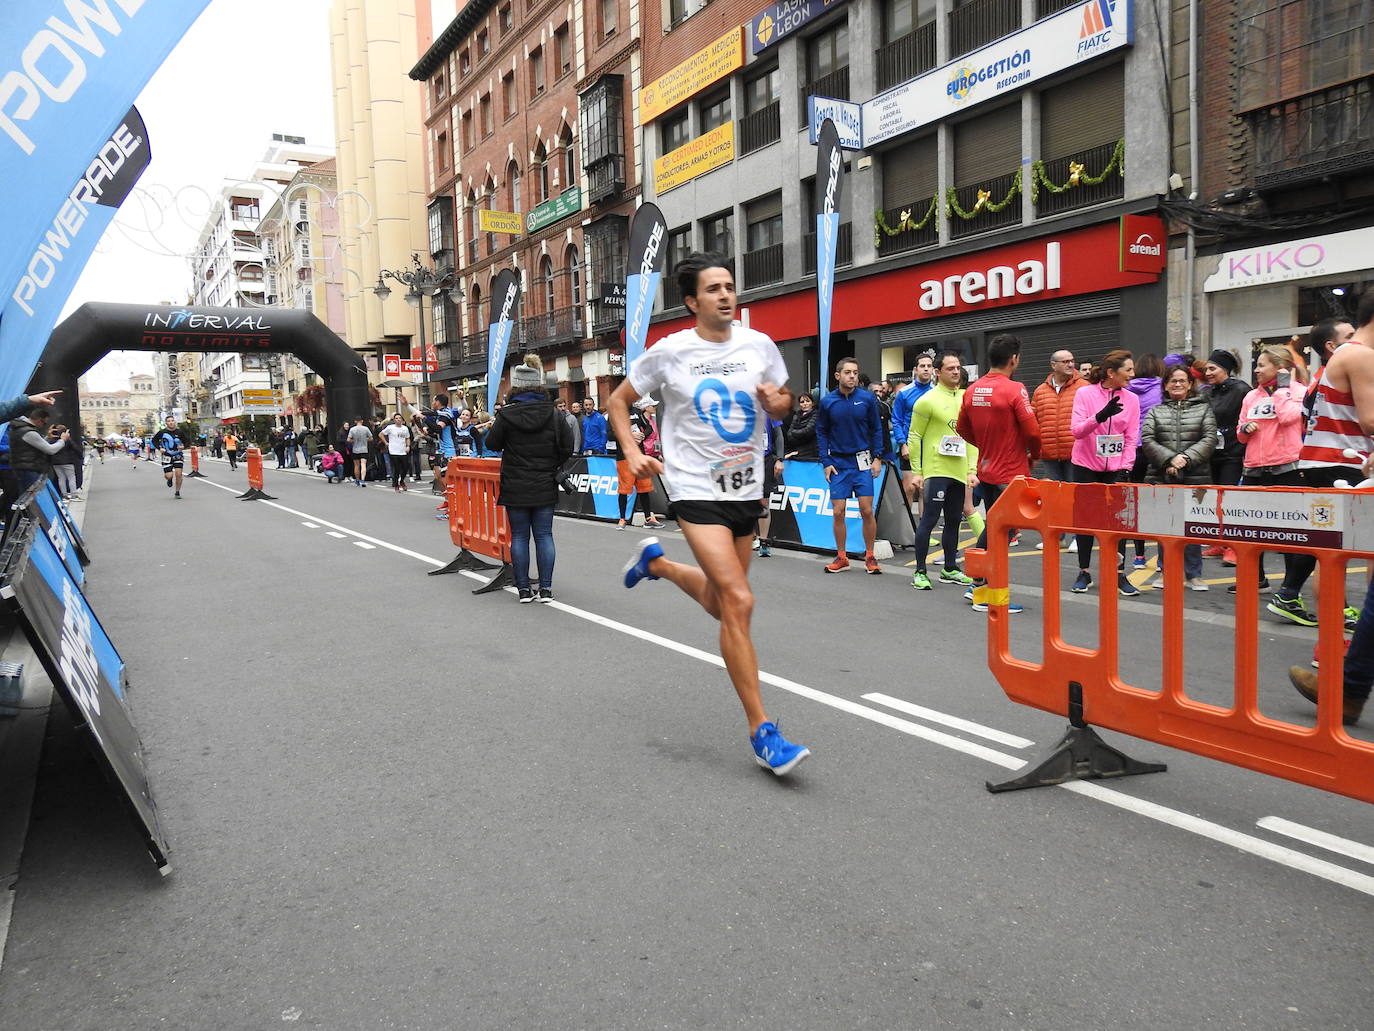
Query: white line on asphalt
[335,533]
[955,722]
[1089,789]
[362,544]
[311,526]
[1330,842]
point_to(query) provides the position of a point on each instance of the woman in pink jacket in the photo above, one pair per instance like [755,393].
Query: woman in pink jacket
[1270,427]
[1106,430]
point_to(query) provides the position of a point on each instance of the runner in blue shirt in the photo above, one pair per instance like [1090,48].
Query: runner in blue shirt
[849,436]
[171,444]
[922,379]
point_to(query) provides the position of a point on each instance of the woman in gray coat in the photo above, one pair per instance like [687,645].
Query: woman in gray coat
[1178,438]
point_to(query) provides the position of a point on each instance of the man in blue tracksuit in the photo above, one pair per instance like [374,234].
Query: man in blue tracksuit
[849,437]
[922,379]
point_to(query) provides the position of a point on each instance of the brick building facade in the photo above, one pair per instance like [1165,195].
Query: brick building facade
[531,166]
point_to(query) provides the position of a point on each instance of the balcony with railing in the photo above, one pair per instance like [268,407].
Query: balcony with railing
[907,57]
[763,266]
[760,128]
[1068,188]
[844,249]
[551,328]
[834,85]
[979,22]
[1003,195]
[897,232]
[474,346]
[1045,8]
[606,178]
[1315,135]
[607,316]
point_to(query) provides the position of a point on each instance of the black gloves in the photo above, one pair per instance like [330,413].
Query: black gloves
[1112,407]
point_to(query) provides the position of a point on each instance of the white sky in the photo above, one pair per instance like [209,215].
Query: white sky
[244,70]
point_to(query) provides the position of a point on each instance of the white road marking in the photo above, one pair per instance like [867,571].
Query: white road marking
[362,544]
[955,722]
[311,526]
[1088,789]
[1330,842]
[335,533]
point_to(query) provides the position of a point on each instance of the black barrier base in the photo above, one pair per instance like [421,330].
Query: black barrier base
[1079,755]
[464,561]
[256,495]
[194,474]
[504,577]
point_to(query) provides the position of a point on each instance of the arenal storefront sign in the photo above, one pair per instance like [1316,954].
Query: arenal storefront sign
[1050,46]
[1081,261]
[1295,259]
[569,202]
[778,21]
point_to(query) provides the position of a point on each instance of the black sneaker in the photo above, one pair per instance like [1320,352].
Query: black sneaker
[177,494]
[1264,587]
[1125,588]
[544,596]
[526,596]
[1084,581]
[1291,609]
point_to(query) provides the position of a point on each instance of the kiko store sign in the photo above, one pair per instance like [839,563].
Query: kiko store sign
[1294,259]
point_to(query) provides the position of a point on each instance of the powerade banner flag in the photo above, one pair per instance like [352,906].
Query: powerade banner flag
[69,70]
[648,236]
[31,310]
[829,180]
[84,667]
[505,295]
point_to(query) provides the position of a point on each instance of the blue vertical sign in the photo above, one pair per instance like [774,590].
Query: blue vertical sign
[68,73]
[829,180]
[648,236]
[505,295]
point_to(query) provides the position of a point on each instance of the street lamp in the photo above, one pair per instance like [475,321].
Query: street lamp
[421,281]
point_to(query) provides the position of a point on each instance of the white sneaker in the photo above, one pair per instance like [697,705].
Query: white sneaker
[1073,545]
[1197,583]
[1040,546]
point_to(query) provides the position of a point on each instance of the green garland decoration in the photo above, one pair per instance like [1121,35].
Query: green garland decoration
[904,223]
[985,201]
[1078,175]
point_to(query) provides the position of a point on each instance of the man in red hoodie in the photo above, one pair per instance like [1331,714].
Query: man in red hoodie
[996,417]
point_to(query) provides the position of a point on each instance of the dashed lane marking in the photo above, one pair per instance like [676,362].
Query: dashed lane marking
[1322,839]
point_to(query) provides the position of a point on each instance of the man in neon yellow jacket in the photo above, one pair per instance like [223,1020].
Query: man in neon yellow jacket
[943,466]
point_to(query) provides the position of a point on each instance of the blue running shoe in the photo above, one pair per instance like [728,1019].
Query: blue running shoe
[637,568]
[774,752]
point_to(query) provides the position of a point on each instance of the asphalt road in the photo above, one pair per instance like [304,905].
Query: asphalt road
[393,804]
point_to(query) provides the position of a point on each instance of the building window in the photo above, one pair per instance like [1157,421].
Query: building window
[475,226]
[504,19]
[679,246]
[677,12]
[715,109]
[827,66]
[489,202]
[675,131]
[603,137]
[513,186]
[244,209]
[483,44]
[537,71]
[546,281]
[567,158]
[610,17]
[718,236]
[484,107]
[562,48]
[464,62]
[440,89]
[574,275]
[467,131]
[1288,47]
[606,244]
[508,94]
[909,41]
[440,226]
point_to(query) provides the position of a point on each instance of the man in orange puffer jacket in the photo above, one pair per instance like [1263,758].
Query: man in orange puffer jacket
[1053,405]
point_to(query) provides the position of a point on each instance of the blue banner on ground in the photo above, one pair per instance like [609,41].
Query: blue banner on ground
[37,590]
[60,532]
[803,516]
[70,71]
[596,490]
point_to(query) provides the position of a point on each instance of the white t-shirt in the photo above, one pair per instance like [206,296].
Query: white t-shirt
[397,439]
[711,424]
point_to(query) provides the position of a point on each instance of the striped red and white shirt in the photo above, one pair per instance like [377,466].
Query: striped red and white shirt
[1333,425]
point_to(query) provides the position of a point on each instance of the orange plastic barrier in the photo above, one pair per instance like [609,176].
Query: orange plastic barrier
[195,465]
[253,462]
[1089,685]
[476,523]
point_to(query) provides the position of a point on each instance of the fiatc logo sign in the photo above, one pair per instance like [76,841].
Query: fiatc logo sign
[1096,29]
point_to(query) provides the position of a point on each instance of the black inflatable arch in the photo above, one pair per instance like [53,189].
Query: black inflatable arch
[96,329]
